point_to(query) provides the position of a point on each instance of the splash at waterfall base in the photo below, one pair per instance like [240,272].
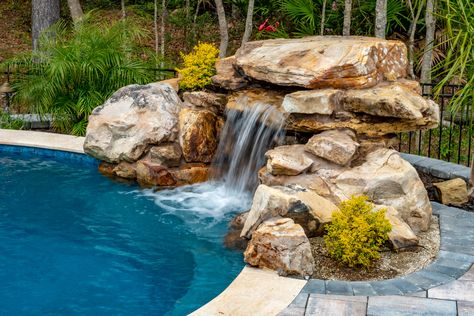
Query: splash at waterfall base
[301,124]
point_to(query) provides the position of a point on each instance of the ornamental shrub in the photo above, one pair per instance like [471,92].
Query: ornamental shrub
[357,232]
[198,67]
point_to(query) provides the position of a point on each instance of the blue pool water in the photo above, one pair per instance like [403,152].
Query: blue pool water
[73,242]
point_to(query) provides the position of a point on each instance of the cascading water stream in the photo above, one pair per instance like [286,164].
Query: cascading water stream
[244,140]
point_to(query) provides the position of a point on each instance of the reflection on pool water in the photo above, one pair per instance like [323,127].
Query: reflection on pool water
[73,242]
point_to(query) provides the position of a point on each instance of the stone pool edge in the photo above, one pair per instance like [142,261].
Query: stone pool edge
[253,289]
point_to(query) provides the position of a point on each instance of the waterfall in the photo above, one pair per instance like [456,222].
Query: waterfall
[245,138]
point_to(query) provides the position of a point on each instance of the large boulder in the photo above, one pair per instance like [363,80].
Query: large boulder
[338,146]
[198,134]
[281,245]
[131,120]
[168,155]
[323,61]
[389,180]
[306,207]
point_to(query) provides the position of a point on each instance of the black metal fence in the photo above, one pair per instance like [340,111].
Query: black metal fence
[452,139]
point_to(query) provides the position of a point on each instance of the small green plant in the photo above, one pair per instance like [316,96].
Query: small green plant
[198,67]
[7,122]
[357,232]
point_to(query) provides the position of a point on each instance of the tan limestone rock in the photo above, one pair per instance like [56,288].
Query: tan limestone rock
[190,173]
[389,180]
[168,155]
[288,160]
[197,135]
[215,102]
[226,75]
[323,61]
[391,100]
[452,192]
[126,170]
[338,146]
[323,101]
[173,83]
[281,245]
[401,236]
[152,174]
[131,120]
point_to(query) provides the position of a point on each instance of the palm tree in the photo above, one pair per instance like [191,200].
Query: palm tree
[415,7]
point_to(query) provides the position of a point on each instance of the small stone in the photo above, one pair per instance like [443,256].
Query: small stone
[149,173]
[232,239]
[452,192]
[126,170]
[281,245]
[288,160]
[106,168]
[166,155]
[337,146]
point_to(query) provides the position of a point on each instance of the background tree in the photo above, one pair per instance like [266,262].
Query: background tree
[44,13]
[323,18]
[222,29]
[380,18]
[346,31]
[415,8]
[75,9]
[248,22]
[430,22]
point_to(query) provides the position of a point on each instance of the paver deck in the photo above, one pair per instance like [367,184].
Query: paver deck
[445,287]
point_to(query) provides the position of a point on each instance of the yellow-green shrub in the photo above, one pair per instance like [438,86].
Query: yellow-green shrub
[357,232]
[198,66]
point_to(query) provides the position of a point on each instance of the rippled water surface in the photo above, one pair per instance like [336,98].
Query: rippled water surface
[73,242]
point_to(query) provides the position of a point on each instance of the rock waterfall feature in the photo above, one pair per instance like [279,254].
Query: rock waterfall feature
[339,100]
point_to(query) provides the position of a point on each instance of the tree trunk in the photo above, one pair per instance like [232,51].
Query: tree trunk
[44,13]
[235,11]
[248,23]
[75,9]
[380,18]
[163,16]
[122,5]
[429,40]
[222,29]
[411,38]
[323,17]
[346,30]
[155,26]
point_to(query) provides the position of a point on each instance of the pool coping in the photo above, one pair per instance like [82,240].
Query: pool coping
[269,294]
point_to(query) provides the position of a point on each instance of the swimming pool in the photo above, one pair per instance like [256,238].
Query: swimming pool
[73,242]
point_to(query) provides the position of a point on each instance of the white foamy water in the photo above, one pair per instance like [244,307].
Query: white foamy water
[212,199]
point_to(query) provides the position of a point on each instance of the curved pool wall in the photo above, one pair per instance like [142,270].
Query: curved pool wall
[193,297]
